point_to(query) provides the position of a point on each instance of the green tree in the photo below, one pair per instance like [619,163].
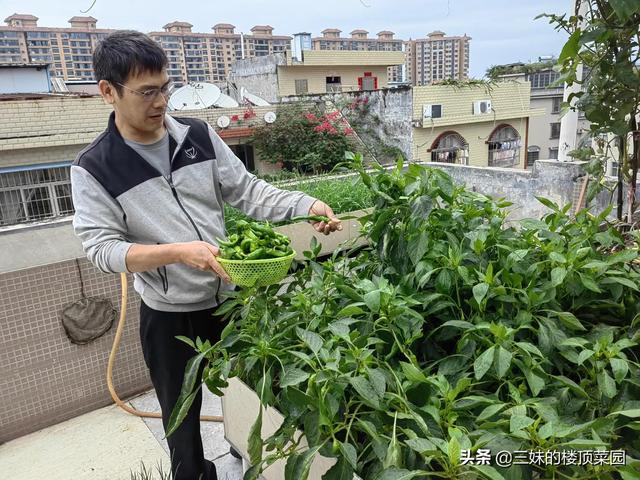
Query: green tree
[605,41]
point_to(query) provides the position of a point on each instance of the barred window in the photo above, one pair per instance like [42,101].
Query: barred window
[34,194]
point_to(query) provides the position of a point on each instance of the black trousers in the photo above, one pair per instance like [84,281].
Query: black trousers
[166,357]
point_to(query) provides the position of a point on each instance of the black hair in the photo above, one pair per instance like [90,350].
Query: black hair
[127,53]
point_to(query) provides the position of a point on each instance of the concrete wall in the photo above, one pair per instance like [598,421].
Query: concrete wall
[259,75]
[24,80]
[475,134]
[317,77]
[391,107]
[46,379]
[557,181]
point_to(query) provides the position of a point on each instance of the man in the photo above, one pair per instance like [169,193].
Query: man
[149,195]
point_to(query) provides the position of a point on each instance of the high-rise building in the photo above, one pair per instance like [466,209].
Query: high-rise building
[67,50]
[192,56]
[359,40]
[436,58]
[195,57]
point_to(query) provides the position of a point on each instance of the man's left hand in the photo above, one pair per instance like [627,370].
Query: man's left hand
[321,208]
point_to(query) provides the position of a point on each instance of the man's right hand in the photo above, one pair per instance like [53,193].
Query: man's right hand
[202,256]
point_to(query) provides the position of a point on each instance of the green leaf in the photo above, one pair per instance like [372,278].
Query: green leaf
[421,445]
[293,376]
[255,440]
[372,300]
[311,428]
[350,311]
[366,391]
[548,203]
[570,49]
[633,413]
[488,471]
[607,385]
[536,382]
[341,470]
[340,329]
[349,453]
[490,411]
[621,280]
[502,361]
[557,257]
[378,381]
[413,373]
[299,464]
[453,451]
[394,473]
[558,275]
[179,412]
[483,363]
[589,284]
[480,291]
[570,321]
[186,340]
[312,339]
[518,422]
[585,355]
[620,368]
[625,8]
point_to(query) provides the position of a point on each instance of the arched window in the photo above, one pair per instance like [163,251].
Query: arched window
[450,147]
[504,147]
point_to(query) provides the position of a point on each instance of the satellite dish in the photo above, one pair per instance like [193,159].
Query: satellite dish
[223,121]
[269,117]
[254,99]
[194,96]
[225,101]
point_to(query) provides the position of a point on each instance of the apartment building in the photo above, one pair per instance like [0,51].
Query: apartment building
[67,50]
[192,56]
[544,136]
[207,57]
[437,57]
[473,125]
[359,41]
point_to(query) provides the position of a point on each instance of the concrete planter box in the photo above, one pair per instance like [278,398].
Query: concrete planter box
[301,233]
[240,408]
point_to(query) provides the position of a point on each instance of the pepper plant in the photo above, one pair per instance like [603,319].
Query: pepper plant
[450,332]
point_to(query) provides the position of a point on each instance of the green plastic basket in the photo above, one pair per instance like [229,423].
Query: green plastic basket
[257,273]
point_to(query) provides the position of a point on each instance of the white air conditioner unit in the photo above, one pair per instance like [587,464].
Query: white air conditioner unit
[432,111]
[482,107]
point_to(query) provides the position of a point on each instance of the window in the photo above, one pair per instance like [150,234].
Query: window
[504,147]
[451,148]
[553,153]
[35,194]
[302,87]
[555,130]
[533,154]
[334,84]
[557,103]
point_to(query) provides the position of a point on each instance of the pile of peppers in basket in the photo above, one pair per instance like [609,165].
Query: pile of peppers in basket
[254,241]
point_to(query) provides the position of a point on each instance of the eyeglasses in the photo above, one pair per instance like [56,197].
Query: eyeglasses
[152,93]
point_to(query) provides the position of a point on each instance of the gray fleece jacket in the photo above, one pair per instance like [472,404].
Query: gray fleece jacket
[121,199]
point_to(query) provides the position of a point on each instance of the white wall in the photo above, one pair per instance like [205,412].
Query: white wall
[24,80]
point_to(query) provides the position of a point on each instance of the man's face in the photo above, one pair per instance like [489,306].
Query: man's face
[141,104]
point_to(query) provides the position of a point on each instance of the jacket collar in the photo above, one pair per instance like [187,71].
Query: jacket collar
[178,131]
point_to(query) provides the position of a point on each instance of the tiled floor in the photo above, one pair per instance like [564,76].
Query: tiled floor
[107,444]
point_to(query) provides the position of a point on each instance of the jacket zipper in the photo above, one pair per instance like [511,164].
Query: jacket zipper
[175,195]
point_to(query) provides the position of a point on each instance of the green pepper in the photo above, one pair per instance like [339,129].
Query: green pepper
[276,253]
[256,254]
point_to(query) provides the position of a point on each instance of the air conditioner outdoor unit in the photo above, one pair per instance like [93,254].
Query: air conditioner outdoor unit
[482,107]
[432,111]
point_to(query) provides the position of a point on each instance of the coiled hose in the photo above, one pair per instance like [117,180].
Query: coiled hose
[112,356]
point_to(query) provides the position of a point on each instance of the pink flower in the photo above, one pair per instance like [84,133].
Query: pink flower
[348,131]
[235,118]
[318,128]
[333,131]
[333,115]
[311,117]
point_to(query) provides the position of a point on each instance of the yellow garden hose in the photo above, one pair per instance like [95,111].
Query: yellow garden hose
[112,356]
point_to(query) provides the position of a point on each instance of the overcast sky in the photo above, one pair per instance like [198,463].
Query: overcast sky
[502,31]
